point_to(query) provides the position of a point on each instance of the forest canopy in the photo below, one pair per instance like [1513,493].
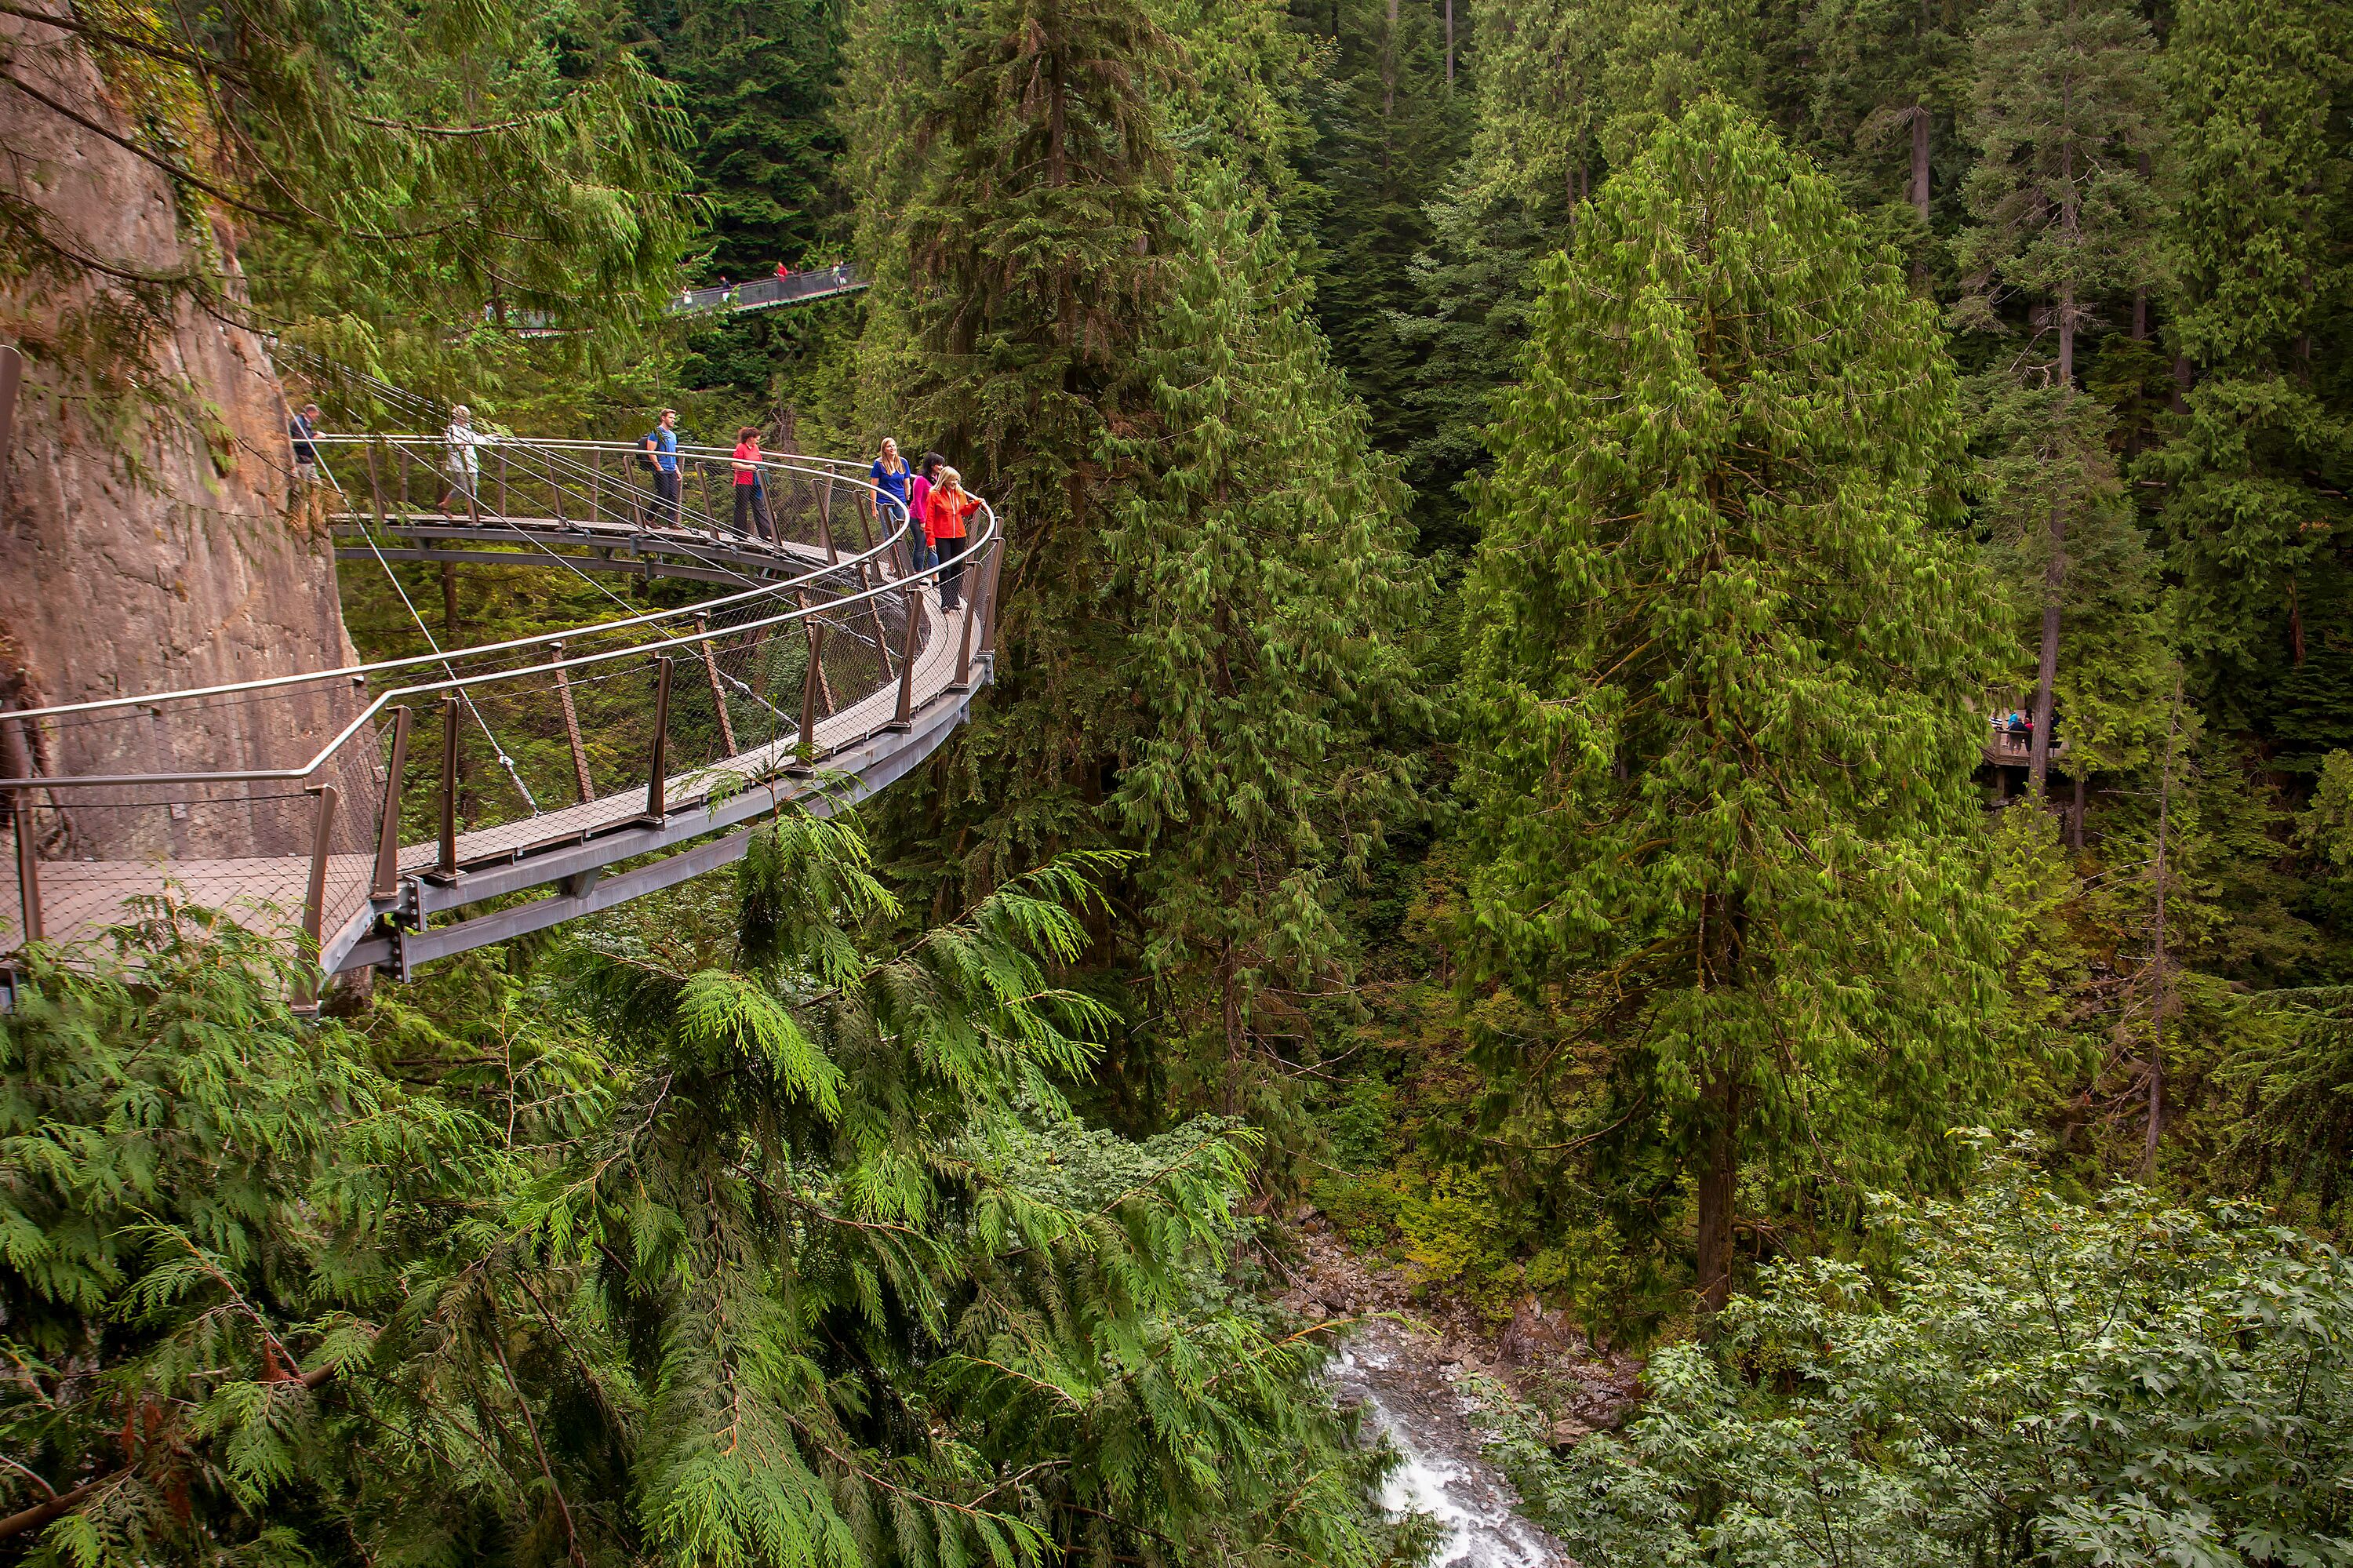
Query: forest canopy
[1680,666]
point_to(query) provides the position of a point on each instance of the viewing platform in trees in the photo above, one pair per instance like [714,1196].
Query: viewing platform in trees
[766,294]
[402,826]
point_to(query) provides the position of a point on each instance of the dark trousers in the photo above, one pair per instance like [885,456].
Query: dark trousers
[665,499]
[753,499]
[951,572]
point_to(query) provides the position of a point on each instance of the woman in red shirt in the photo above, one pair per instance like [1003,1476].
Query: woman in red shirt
[949,507]
[751,495]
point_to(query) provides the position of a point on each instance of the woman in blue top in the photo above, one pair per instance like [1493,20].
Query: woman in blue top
[889,474]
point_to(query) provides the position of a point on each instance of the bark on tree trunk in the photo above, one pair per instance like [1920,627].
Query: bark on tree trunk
[2164,985]
[1920,129]
[2295,624]
[2046,674]
[1715,1191]
[1231,1009]
[1389,65]
[1450,46]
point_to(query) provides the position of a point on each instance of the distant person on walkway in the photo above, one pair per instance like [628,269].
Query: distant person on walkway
[465,461]
[302,431]
[890,476]
[783,271]
[750,492]
[659,448]
[949,507]
[919,509]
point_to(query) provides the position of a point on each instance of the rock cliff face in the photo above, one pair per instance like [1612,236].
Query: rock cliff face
[155,542]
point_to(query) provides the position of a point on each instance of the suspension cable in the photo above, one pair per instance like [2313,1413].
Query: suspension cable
[465,697]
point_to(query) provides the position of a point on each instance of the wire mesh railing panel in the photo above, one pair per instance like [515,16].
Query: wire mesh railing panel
[295,802]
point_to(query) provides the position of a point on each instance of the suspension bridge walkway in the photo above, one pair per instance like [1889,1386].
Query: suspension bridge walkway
[407,808]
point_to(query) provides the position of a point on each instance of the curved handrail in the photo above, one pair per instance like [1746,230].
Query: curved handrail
[351,672]
[978,542]
[373,888]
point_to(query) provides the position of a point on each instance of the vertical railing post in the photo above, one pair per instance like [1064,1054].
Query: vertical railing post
[710,507]
[825,520]
[402,453]
[376,485]
[314,899]
[658,776]
[18,754]
[718,692]
[388,828]
[554,489]
[503,483]
[906,713]
[964,636]
[988,594]
[572,728]
[805,743]
[447,865]
[595,485]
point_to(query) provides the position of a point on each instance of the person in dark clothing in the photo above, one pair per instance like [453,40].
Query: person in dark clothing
[661,447]
[751,495]
[301,431]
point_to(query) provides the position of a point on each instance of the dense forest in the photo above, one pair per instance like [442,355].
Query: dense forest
[1686,663]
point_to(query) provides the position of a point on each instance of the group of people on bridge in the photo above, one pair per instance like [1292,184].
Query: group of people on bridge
[931,495]
[934,497]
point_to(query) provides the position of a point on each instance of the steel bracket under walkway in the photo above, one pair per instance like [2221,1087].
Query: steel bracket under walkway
[850,775]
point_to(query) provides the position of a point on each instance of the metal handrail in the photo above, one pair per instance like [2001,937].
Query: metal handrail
[355,672]
[983,537]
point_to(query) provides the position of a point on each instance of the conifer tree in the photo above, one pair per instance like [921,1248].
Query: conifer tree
[2253,512]
[1888,77]
[1270,652]
[741,1238]
[757,80]
[1032,238]
[2059,110]
[1388,125]
[1719,716]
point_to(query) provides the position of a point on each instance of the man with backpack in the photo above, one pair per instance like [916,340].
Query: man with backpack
[658,450]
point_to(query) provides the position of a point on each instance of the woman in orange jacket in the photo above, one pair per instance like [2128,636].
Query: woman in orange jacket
[944,523]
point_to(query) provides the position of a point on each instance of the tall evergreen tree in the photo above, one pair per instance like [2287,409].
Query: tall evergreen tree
[1886,76]
[2253,513]
[757,78]
[1261,545]
[1388,126]
[2060,111]
[1720,736]
[1031,239]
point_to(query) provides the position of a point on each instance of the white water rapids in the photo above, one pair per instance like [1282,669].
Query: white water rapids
[1404,1388]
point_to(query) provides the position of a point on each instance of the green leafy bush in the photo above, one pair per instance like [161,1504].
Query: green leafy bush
[2035,1380]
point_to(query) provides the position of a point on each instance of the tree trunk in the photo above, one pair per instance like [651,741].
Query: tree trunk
[2184,378]
[2164,986]
[2295,624]
[1715,1192]
[1231,1010]
[2075,821]
[2067,335]
[1920,128]
[1389,65]
[2046,675]
[1450,46]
